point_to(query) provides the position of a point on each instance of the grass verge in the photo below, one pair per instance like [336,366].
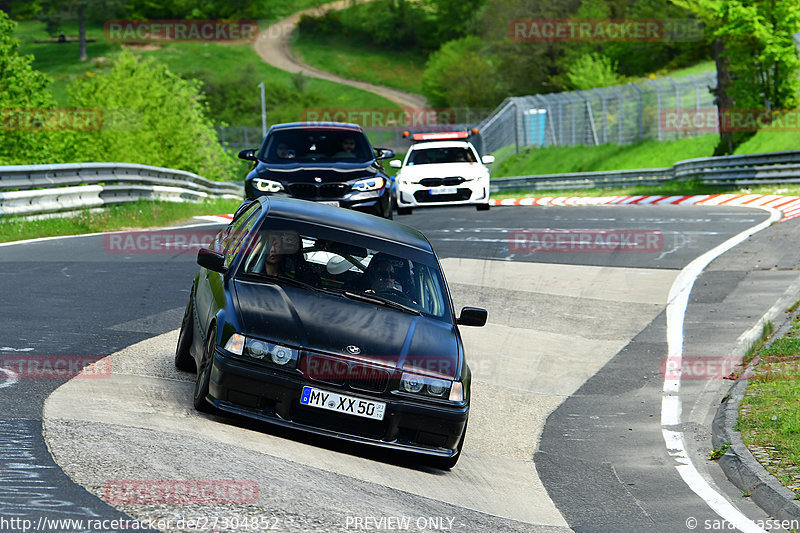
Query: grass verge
[135,215]
[357,59]
[684,188]
[645,154]
[769,414]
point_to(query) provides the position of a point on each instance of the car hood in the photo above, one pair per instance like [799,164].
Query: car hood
[309,172]
[329,324]
[444,170]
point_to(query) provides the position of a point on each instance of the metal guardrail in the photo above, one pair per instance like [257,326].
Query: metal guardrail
[46,189]
[748,169]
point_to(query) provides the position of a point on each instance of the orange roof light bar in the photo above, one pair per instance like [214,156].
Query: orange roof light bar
[440,136]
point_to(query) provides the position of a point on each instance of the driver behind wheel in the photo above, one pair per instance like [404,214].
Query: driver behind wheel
[381,276]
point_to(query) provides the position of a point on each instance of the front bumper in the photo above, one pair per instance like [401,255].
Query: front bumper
[375,202]
[273,396]
[466,193]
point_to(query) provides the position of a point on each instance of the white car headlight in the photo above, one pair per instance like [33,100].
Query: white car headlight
[267,185]
[427,386]
[263,350]
[369,184]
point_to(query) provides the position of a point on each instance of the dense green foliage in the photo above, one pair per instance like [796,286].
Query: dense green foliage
[460,72]
[165,125]
[500,65]
[756,56]
[21,87]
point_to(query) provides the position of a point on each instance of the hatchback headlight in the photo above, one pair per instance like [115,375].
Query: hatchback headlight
[262,350]
[369,184]
[427,386]
[267,185]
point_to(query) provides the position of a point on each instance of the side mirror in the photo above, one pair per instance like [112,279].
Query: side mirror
[384,153]
[211,260]
[248,155]
[472,316]
[395,163]
[487,159]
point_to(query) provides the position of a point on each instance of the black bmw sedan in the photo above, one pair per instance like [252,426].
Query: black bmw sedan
[333,322]
[331,163]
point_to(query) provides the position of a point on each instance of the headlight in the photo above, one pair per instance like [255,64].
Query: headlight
[263,350]
[433,387]
[369,184]
[267,185]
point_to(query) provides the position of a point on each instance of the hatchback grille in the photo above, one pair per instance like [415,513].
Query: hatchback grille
[322,190]
[425,196]
[438,182]
[349,374]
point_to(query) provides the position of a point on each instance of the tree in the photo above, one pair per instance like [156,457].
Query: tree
[755,54]
[459,74]
[23,92]
[150,116]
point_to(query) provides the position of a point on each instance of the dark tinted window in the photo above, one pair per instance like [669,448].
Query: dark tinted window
[316,145]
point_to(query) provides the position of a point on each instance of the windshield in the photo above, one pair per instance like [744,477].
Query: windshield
[308,260]
[316,146]
[426,156]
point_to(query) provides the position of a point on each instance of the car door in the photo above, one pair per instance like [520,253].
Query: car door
[210,291]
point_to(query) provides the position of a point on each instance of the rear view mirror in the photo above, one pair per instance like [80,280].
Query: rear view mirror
[395,163]
[384,153]
[211,260]
[472,316]
[248,155]
[487,159]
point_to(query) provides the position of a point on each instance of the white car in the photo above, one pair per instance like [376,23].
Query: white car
[442,172]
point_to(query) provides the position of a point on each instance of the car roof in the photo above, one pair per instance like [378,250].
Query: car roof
[317,125]
[345,220]
[441,144]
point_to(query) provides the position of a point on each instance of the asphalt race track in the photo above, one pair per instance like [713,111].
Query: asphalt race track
[566,424]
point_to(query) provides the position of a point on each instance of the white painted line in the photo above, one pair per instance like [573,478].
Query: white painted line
[11,378]
[671,405]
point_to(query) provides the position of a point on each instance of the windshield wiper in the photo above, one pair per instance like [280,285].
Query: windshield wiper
[380,300]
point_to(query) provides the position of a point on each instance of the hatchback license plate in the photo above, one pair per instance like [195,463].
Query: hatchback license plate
[444,190]
[342,403]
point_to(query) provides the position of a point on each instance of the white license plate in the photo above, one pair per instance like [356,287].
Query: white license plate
[444,190]
[342,403]
[333,203]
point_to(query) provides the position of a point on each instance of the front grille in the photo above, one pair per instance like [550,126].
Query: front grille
[322,190]
[425,196]
[343,373]
[439,182]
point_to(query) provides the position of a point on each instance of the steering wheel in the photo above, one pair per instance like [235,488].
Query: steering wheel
[394,294]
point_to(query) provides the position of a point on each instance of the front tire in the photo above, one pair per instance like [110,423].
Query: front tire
[483,207]
[403,210]
[204,374]
[183,357]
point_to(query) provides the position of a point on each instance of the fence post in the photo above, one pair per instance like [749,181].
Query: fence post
[658,109]
[516,126]
[639,110]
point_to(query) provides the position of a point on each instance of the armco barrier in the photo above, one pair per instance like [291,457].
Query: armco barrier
[748,169]
[45,189]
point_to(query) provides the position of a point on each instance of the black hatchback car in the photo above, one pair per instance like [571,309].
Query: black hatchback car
[331,321]
[330,163]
